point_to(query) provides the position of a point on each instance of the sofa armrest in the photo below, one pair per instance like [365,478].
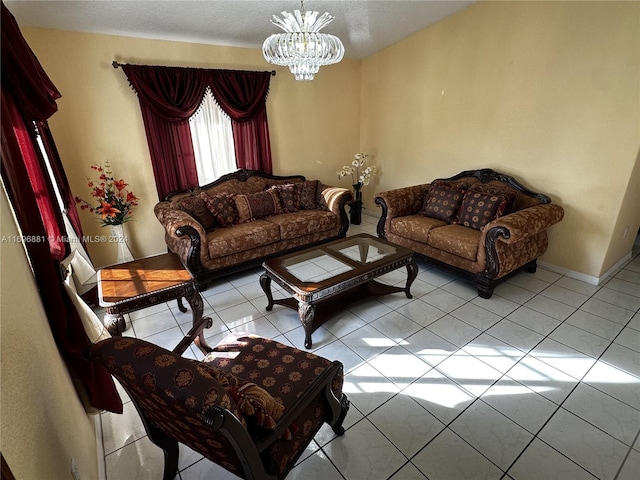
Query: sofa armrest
[184,236]
[336,199]
[524,223]
[399,203]
[518,232]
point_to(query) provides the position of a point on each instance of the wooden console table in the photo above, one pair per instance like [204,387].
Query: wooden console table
[131,286]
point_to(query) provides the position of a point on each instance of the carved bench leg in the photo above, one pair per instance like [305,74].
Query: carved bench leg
[337,427]
[169,448]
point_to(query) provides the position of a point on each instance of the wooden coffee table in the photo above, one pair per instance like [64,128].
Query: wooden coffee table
[131,286]
[332,275]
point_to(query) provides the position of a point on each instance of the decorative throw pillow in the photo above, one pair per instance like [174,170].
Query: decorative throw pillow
[489,189]
[252,206]
[321,201]
[197,208]
[442,202]
[252,400]
[289,196]
[309,195]
[478,209]
[222,207]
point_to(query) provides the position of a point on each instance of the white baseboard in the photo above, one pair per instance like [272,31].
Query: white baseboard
[102,466]
[584,277]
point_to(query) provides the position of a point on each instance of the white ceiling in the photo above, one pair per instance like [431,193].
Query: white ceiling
[364,26]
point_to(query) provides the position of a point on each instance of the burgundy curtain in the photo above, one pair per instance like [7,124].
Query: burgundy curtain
[169,96]
[243,96]
[28,96]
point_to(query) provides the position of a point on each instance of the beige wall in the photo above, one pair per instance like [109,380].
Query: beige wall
[314,126]
[546,91]
[42,423]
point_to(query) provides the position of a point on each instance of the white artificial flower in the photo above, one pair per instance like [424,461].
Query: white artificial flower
[357,179]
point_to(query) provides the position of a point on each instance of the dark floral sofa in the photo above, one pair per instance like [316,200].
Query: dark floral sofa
[247,216]
[482,224]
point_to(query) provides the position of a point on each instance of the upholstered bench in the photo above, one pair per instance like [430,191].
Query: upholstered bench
[252,406]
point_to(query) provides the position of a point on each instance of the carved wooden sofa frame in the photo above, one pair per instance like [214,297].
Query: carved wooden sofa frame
[180,227]
[508,244]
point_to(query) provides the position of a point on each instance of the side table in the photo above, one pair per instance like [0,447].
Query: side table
[131,286]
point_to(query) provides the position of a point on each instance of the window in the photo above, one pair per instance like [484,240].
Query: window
[212,139]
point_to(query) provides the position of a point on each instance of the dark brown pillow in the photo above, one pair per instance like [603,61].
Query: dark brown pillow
[197,208]
[442,202]
[289,196]
[478,209]
[222,207]
[309,195]
[252,206]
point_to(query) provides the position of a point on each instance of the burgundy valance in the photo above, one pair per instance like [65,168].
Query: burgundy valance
[242,95]
[29,84]
[175,93]
[172,93]
[169,96]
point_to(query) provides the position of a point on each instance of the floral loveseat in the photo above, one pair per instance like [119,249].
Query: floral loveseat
[247,216]
[481,223]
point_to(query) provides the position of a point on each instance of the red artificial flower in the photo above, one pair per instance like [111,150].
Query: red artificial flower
[114,201]
[107,210]
[98,192]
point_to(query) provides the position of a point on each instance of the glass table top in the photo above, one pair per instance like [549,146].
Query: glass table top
[339,257]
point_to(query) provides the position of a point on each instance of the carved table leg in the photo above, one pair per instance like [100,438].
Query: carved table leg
[412,273]
[265,283]
[307,312]
[181,306]
[197,308]
[115,324]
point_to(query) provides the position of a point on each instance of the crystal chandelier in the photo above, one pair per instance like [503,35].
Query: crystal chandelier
[302,47]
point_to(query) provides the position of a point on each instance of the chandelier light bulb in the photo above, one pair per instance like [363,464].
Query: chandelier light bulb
[302,47]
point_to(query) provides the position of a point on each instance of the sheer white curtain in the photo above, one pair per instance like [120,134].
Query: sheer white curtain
[212,139]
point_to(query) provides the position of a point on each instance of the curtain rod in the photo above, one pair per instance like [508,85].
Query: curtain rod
[116,64]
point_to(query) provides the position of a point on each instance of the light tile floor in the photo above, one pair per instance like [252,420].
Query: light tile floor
[541,382]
